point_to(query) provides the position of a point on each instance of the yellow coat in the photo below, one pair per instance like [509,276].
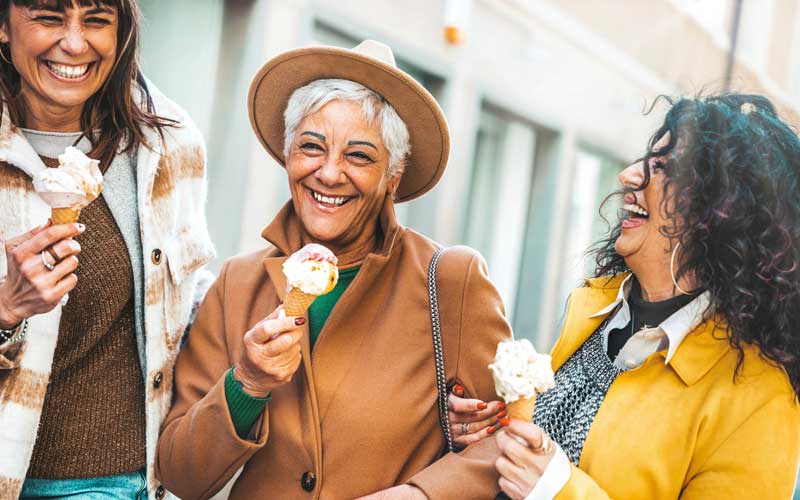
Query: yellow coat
[685,429]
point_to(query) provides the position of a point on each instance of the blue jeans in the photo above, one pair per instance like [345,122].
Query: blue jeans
[130,486]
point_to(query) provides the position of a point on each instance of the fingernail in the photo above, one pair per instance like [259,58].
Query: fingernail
[491,429]
[502,414]
[482,405]
[505,422]
[501,405]
[458,390]
[80,227]
[299,321]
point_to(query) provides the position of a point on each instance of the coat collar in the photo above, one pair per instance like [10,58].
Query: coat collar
[15,148]
[702,348]
[285,235]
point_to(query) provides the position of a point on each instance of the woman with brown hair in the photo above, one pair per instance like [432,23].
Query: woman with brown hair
[86,349]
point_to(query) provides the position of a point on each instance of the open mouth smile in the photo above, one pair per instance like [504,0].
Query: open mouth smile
[328,201]
[69,72]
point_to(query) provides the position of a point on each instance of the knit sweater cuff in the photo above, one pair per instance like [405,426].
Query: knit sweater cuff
[244,408]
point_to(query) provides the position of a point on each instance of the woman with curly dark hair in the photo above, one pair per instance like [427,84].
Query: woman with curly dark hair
[678,366]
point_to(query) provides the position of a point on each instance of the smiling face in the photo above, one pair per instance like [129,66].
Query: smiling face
[63,58]
[338,176]
[640,242]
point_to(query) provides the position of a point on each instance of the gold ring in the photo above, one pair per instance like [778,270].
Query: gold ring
[47,264]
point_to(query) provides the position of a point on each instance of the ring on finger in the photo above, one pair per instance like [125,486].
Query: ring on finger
[53,254]
[46,263]
[464,429]
[547,443]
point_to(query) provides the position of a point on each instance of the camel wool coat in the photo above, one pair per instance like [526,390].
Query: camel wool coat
[360,415]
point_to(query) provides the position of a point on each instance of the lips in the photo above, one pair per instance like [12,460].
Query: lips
[69,72]
[328,200]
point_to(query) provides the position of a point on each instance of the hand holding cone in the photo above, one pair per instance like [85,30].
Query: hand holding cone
[520,373]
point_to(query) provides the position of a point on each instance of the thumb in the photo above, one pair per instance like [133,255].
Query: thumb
[19,240]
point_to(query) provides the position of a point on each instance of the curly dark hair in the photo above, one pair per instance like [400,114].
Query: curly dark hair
[732,171]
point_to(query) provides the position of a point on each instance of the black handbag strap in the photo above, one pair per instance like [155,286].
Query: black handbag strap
[438,350]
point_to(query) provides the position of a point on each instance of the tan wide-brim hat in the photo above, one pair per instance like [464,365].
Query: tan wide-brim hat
[371,64]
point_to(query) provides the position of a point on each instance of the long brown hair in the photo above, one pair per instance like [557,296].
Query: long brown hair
[115,110]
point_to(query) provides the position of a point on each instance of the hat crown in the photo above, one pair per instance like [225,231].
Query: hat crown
[376,50]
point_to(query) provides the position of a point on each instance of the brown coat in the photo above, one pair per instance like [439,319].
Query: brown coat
[361,413]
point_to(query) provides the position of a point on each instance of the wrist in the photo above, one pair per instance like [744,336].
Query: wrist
[8,320]
[251,389]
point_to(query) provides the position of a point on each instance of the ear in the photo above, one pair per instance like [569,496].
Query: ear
[392,184]
[3,34]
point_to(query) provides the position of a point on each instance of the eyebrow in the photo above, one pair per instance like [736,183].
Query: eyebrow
[362,143]
[99,9]
[314,134]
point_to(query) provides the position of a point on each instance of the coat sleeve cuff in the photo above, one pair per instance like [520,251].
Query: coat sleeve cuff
[469,475]
[555,477]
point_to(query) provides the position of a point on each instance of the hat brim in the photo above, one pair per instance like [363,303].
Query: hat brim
[279,77]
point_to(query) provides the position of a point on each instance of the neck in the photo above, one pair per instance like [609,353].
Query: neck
[48,118]
[354,253]
[656,283]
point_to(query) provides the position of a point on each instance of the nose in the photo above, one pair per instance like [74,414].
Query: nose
[74,40]
[632,176]
[330,173]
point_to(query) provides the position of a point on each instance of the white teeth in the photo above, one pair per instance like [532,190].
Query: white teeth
[338,200]
[636,209]
[65,71]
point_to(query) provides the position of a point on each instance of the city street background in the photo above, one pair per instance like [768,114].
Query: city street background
[545,100]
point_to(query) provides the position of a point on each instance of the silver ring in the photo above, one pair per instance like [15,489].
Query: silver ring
[464,429]
[47,265]
[547,443]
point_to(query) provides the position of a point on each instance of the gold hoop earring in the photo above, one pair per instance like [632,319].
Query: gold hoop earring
[672,270]
[3,56]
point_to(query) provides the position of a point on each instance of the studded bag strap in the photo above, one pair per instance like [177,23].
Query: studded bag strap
[438,350]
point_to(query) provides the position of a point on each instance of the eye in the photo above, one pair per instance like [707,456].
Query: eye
[98,21]
[311,146]
[360,156]
[48,19]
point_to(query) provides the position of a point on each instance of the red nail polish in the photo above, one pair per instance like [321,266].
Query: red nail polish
[491,429]
[502,414]
[299,321]
[505,422]
[482,405]
[458,390]
[502,405]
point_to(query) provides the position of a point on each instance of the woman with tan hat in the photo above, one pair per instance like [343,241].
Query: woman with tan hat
[341,402]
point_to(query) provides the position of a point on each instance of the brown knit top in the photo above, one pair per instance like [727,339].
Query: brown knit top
[93,421]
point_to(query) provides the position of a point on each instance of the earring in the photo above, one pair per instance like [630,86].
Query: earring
[2,54]
[672,270]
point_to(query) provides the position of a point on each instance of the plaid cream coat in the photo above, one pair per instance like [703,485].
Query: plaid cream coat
[170,192]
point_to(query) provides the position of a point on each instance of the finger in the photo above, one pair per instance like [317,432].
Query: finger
[462,405]
[493,410]
[283,342]
[472,427]
[51,235]
[513,472]
[475,436]
[62,269]
[268,329]
[22,238]
[66,285]
[458,390]
[510,489]
[276,313]
[530,433]
[64,249]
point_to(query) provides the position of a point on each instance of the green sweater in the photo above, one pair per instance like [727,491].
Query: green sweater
[244,408]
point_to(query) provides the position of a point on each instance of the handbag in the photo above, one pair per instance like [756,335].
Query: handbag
[438,351]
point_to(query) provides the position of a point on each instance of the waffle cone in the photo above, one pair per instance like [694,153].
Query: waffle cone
[297,302]
[522,409]
[65,215]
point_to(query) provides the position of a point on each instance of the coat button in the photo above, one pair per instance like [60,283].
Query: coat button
[156,256]
[309,481]
[160,493]
[157,380]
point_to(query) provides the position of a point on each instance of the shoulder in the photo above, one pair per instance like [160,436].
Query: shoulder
[185,133]
[455,260]
[246,264]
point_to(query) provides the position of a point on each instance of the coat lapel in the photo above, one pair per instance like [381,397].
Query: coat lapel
[15,149]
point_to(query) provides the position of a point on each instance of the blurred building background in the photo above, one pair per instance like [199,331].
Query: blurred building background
[545,101]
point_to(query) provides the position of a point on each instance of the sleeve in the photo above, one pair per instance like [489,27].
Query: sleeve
[244,408]
[199,449]
[758,460]
[555,476]
[473,322]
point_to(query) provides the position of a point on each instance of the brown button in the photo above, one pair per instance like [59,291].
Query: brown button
[157,380]
[160,493]
[309,481]
[156,256]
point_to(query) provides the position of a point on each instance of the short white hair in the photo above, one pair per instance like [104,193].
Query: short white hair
[311,98]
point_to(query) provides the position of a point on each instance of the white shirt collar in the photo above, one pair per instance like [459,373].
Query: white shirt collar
[676,327]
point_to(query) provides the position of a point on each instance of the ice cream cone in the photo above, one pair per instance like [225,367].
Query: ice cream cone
[65,215]
[522,409]
[297,302]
